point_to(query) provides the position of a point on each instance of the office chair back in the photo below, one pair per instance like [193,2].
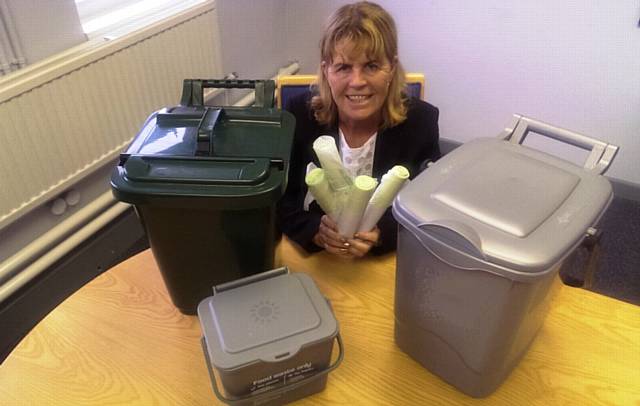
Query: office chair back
[292,85]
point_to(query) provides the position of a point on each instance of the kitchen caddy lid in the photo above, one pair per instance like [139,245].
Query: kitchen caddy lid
[265,319]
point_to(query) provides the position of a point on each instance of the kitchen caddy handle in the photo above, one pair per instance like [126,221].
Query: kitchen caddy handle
[599,159]
[264,396]
[250,279]
[192,90]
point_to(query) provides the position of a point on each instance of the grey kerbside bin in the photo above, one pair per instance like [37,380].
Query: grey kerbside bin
[482,235]
[204,182]
[269,338]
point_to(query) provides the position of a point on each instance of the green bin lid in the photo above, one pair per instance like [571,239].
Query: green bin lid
[205,156]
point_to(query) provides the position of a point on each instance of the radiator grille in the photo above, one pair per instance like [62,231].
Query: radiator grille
[86,112]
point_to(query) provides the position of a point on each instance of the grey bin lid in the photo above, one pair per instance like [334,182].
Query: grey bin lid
[504,204]
[264,320]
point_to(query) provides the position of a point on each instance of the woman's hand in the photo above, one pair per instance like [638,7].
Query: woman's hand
[357,247]
[329,238]
[362,242]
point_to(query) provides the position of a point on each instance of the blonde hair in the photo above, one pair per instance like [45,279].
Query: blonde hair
[372,30]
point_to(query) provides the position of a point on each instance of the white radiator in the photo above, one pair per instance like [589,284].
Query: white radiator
[62,119]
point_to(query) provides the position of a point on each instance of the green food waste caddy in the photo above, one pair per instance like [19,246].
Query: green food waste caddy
[204,182]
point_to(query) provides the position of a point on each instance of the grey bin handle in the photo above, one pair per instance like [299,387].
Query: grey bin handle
[599,159]
[250,279]
[457,235]
[274,392]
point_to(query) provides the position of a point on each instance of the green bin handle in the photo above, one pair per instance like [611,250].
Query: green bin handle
[192,90]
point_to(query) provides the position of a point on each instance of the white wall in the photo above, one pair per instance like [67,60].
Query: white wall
[575,64]
[252,37]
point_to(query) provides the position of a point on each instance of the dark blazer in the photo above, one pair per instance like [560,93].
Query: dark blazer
[411,143]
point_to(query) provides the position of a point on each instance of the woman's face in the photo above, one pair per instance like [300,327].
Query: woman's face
[359,84]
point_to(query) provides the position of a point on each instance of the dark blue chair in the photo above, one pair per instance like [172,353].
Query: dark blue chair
[292,85]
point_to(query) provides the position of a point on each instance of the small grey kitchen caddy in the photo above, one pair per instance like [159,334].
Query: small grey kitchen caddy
[269,338]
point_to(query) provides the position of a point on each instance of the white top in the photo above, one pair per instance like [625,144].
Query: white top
[358,161]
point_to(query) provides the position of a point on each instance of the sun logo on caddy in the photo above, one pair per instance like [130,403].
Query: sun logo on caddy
[265,311]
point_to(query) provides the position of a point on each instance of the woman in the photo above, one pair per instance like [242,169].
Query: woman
[358,99]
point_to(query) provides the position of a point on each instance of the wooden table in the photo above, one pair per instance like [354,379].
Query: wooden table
[119,341]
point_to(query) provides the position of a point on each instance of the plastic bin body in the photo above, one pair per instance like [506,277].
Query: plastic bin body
[268,338]
[467,326]
[207,247]
[482,235]
[205,182]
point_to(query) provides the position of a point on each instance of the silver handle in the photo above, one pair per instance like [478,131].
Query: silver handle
[599,159]
[456,234]
[256,398]
[250,279]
